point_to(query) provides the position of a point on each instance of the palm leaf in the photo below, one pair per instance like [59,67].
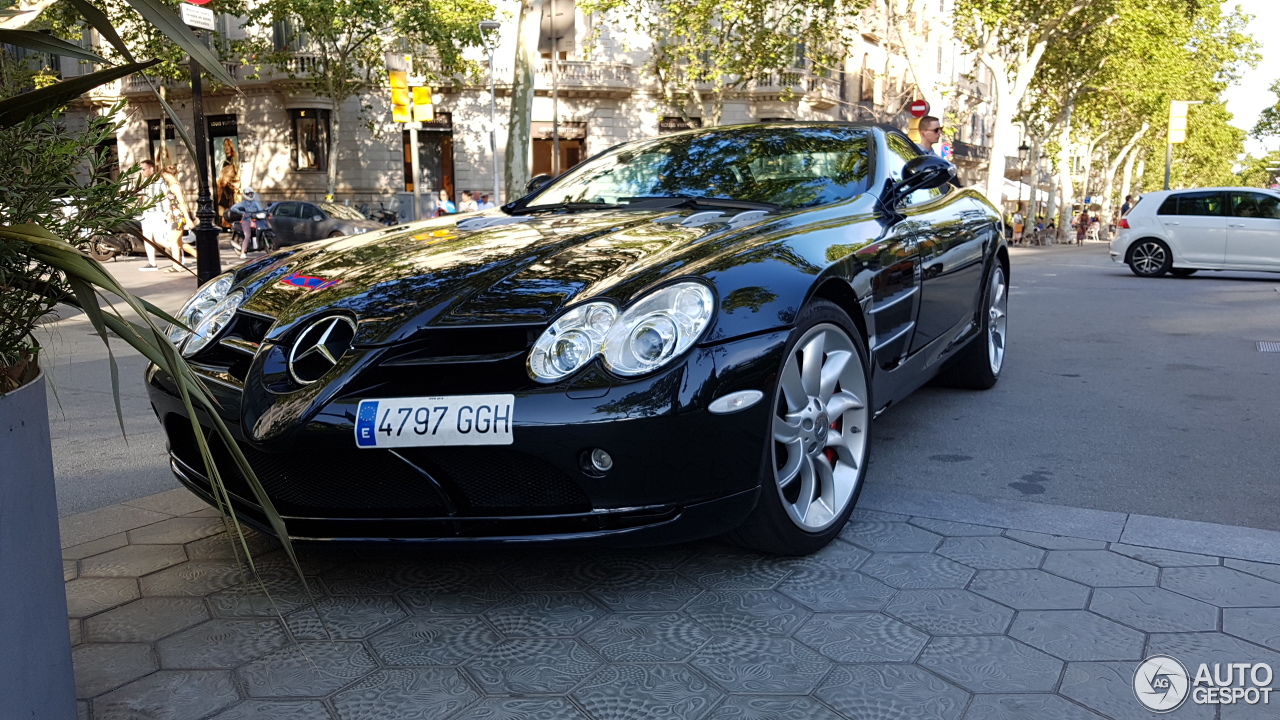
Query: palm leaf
[162,17]
[20,107]
[47,44]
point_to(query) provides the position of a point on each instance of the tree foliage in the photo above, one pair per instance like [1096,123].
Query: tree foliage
[704,51]
[1268,124]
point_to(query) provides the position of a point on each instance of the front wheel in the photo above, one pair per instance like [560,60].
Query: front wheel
[977,366]
[98,249]
[1150,258]
[819,437]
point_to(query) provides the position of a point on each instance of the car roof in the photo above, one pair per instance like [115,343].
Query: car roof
[1162,193]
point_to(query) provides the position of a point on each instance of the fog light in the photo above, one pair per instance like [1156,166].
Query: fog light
[601,461]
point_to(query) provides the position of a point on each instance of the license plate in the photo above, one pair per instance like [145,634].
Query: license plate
[425,421]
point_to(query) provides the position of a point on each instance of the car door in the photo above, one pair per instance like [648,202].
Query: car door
[284,220]
[308,227]
[1253,230]
[1196,225]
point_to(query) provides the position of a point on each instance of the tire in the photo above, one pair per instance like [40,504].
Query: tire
[977,366]
[336,234]
[1150,258]
[98,249]
[1182,272]
[805,446]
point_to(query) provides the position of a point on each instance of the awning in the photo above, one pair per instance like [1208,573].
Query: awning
[1014,189]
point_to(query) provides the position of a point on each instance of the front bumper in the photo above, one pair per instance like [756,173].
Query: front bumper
[679,472]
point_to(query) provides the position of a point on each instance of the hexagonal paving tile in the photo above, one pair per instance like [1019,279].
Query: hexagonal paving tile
[145,620]
[566,572]
[70,570]
[544,614]
[1163,558]
[176,531]
[653,559]
[169,694]
[645,637]
[463,594]
[861,515]
[1259,625]
[432,640]
[132,561]
[275,710]
[761,664]
[1267,571]
[376,578]
[95,547]
[954,529]
[349,617]
[219,547]
[661,692]
[75,629]
[1077,635]
[1192,649]
[307,669]
[987,663]
[1107,688]
[100,667]
[1026,707]
[420,693]
[740,707]
[866,691]
[1221,586]
[862,638]
[752,612]
[992,553]
[1054,542]
[916,571]
[647,591]
[733,569]
[220,644]
[950,612]
[890,537]
[194,579]
[831,591]
[1100,568]
[1030,590]
[544,708]
[1153,609]
[838,556]
[86,596]
[532,665]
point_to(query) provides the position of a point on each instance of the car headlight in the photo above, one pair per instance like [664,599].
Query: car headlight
[572,341]
[648,335]
[198,307]
[660,327]
[213,322]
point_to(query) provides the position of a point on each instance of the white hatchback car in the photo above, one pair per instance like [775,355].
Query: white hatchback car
[1182,231]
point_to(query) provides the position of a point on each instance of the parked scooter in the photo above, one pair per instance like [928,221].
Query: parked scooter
[382,215]
[124,239]
[260,235]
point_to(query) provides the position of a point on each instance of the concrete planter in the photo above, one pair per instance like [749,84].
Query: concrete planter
[35,648]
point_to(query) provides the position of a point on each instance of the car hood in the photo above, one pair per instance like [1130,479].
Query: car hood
[446,272]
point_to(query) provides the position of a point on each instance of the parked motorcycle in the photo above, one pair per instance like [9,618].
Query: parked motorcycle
[124,239]
[381,215]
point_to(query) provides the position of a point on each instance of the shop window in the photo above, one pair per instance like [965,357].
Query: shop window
[310,140]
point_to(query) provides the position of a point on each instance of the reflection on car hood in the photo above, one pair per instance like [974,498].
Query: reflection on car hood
[523,272]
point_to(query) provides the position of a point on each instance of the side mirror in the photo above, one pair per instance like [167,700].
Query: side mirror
[924,172]
[537,183]
[317,218]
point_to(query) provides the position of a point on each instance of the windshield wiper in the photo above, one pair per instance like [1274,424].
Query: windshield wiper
[565,206]
[674,201]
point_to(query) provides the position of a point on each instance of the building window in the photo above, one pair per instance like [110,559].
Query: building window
[162,151]
[310,140]
[288,35]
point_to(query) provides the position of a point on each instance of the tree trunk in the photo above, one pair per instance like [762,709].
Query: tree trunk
[335,126]
[1126,180]
[1108,181]
[519,129]
[1033,181]
[1141,173]
[1005,104]
[1064,181]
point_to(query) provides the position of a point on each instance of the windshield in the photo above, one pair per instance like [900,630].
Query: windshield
[790,166]
[342,212]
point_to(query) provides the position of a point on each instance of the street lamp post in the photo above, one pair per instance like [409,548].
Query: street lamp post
[1023,149]
[488,29]
[208,264]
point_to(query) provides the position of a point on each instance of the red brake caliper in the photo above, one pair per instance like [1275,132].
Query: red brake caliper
[830,452]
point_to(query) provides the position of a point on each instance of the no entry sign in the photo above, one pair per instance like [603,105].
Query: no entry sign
[919,108]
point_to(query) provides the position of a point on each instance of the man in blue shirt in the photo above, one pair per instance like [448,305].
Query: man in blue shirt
[930,134]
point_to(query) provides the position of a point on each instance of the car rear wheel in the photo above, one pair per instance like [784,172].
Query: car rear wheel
[819,431]
[336,234]
[1182,272]
[977,366]
[1150,258]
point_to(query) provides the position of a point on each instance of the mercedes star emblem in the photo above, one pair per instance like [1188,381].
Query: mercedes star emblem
[319,347]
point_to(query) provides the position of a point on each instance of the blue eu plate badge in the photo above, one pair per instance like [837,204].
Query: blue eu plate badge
[367,424]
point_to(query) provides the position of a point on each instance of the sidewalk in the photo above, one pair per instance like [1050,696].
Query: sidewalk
[1035,612]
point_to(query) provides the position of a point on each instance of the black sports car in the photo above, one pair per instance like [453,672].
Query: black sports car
[680,337]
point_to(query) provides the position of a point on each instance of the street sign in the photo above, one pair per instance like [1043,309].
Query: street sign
[198,2]
[919,108]
[197,17]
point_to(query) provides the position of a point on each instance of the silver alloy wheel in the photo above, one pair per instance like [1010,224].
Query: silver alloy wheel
[997,319]
[819,427]
[1149,257]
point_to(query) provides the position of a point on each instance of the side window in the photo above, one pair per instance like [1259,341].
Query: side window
[306,211]
[1252,204]
[900,151]
[1168,207]
[287,210]
[1200,203]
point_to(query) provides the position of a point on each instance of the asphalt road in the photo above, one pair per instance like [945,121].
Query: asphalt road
[1119,393]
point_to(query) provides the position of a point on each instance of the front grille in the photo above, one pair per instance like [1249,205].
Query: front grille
[354,483]
[238,343]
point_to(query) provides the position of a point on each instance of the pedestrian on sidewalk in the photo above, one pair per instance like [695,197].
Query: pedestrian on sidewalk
[155,219]
[1082,226]
[1128,205]
[445,206]
[1019,224]
[179,217]
[468,203]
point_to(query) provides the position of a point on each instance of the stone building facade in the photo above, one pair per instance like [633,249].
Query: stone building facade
[277,131]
